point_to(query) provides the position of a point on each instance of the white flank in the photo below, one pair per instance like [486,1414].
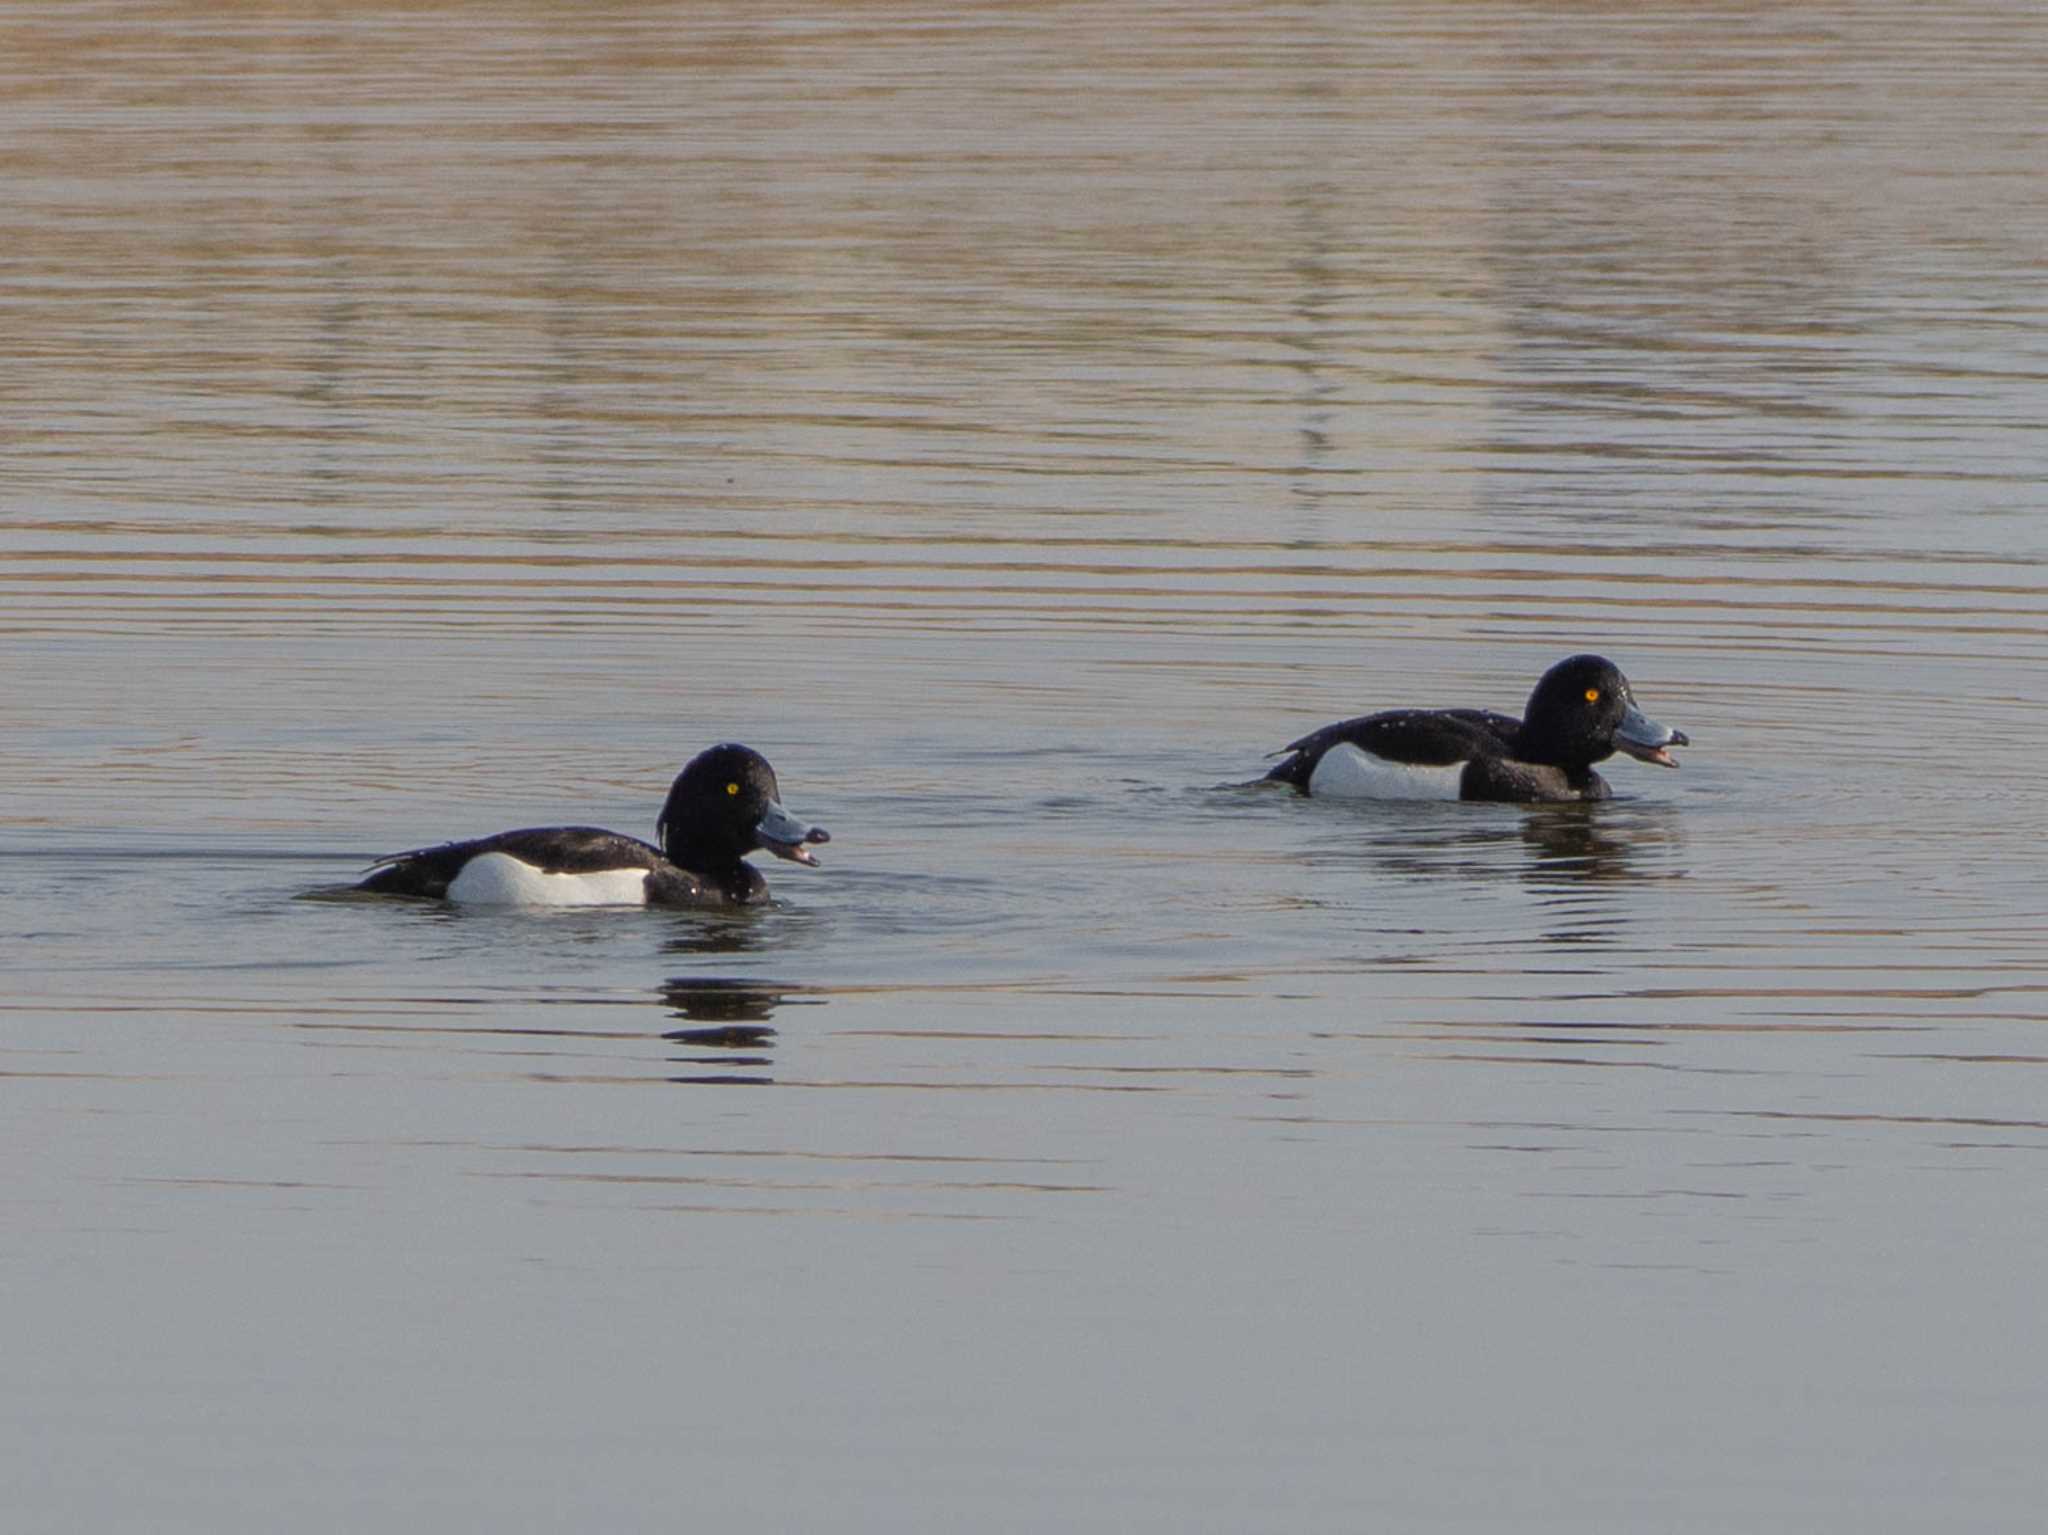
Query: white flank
[1346,772]
[499,879]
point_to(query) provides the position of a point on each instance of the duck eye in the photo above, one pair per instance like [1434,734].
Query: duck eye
[732,788]
[1592,695]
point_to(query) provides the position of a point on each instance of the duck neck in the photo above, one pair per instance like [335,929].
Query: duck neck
[1553,750]
[718,864]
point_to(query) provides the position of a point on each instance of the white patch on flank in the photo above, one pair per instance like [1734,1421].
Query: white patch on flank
[499,879]
[1348,772]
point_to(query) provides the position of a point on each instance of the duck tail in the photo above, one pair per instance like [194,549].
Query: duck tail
[1292,771]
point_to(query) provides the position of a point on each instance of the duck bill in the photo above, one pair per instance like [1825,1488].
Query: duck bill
[785,836]
[1645,740]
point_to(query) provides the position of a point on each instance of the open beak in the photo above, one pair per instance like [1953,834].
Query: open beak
[1644,739]
[787,837]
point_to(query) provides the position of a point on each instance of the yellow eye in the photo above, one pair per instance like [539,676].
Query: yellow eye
[1592,695]
[733,788]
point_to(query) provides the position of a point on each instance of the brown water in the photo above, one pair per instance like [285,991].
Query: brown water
[1016,421]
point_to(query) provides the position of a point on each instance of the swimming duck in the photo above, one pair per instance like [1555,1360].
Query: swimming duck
[1582,711]
[723,805]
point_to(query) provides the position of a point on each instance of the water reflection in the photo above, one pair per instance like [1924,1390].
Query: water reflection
[1544,845]
[728,1000]
[728,1016]
[1595,843]
[741,932]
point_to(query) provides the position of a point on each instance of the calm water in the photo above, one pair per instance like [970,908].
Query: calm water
[1017,421]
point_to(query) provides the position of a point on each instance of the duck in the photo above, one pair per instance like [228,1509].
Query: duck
[724,804]
[1580,712]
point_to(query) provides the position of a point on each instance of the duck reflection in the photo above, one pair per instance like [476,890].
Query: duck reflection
[1578,842]
[1584,867]
[1584,863]
[727,1015]
[745,932]
[718,934]
[1545,845]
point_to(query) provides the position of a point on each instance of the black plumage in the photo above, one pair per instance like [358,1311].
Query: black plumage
[724,804]
[1580,712]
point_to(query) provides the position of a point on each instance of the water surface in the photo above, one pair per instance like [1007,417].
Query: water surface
[1016,423]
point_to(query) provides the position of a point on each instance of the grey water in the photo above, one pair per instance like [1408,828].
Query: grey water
[1016,422]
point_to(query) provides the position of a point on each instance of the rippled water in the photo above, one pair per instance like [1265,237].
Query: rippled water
[1016,422]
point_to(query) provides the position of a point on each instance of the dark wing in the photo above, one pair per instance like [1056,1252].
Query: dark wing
[1502,727]
[1423,737]
[428,871]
